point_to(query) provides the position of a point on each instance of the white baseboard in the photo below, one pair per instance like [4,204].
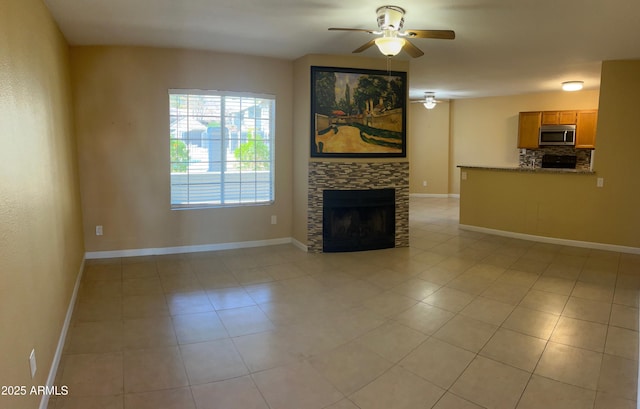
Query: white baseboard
[44,402]
[553,240]
[299,245]
[185,249]
[443,195]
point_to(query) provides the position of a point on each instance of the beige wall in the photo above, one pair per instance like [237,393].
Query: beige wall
[122,121]
[301,127]
[41,246]
[571,206]
[484,131]
[429,149]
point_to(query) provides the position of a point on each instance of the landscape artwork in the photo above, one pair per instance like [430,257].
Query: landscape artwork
[358,113]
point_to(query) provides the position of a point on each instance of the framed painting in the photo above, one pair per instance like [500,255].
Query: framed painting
[358,113]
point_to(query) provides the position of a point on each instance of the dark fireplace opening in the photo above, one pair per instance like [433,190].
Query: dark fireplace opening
[358,220]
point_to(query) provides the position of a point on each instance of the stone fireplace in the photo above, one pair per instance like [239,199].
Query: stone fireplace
[358,219]
[358,176]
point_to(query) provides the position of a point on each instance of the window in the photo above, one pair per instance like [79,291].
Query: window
[221,148]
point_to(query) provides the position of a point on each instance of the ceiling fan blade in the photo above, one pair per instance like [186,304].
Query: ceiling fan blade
[364,46]
[412,50]
[364,30]
[438,34]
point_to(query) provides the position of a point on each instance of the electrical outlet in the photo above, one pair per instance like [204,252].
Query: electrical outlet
[32,363]
[98,230]
[600,182]
[424,183]
[463,175]
[274,219]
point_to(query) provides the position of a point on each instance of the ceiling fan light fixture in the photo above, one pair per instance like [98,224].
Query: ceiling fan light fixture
[429,100]
[429,104]
[390,46]
[572,85]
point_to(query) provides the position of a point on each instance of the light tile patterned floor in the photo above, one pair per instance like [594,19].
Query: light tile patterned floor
[459,320]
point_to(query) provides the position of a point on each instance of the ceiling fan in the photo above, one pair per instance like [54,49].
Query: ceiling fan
[429,100]
[394,38]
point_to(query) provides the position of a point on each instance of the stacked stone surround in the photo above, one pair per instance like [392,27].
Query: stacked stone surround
[356,175]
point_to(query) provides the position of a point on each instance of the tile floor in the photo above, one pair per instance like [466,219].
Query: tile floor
[458,320]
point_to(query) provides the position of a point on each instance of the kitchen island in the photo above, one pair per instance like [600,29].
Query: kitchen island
[531,203]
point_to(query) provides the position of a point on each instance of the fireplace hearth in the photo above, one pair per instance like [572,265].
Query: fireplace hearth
[358,220]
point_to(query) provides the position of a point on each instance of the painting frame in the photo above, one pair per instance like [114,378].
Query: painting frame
[358,113]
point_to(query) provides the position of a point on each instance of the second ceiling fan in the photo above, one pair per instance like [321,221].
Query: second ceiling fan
[393,38]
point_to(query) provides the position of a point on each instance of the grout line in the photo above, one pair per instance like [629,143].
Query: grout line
[429,336]
[546,345]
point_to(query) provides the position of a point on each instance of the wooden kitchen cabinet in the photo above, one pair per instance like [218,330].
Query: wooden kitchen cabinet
[585,121]
[528,128]
[549,118]
[559,117]
[586,125]
[567,117]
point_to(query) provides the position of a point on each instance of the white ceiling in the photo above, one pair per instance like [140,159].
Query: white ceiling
[502,47]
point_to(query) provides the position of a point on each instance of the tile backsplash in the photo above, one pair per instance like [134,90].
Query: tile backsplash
[532,158]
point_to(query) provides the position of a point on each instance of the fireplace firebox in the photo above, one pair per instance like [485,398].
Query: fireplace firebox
[358,220]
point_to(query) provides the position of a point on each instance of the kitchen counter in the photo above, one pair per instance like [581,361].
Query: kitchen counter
[530,170]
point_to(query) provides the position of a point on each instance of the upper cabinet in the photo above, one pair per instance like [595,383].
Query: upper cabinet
[585,121]
[528,127]
[559,117]
[586,125]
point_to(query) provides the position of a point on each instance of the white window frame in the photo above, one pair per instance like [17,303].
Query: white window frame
[232,182]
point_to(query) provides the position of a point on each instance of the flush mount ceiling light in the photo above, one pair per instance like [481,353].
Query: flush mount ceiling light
[572,85]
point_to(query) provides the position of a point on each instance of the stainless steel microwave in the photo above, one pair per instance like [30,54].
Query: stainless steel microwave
[557,135]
